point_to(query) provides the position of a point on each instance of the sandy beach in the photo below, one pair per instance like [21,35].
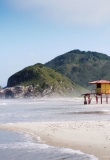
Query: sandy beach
[89,137]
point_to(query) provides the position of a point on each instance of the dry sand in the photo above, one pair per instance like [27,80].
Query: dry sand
[89,137]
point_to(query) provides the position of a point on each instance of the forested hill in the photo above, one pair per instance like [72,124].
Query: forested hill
[82,67]
[46,81]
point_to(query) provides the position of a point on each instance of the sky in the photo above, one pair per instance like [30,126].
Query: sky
[36,31]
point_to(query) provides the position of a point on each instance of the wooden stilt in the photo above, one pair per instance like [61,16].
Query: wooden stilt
[107,98]
[85,101]
[89,100]
[101,98]
[96,99]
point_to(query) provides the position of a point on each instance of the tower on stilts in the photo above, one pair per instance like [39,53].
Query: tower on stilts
[102,88]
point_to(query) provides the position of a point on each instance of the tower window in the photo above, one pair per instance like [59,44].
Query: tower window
[99,85]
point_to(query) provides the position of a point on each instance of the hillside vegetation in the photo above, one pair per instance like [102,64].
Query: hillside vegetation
[44,79]
[82,67]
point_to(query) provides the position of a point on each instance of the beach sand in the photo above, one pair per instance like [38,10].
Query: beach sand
[89,137]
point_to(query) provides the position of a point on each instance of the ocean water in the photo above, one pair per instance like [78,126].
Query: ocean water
[20,146]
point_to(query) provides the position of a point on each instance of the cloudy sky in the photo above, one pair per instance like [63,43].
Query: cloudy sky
[36,31]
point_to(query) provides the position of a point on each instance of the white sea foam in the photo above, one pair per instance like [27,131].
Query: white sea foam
[24,145]
[68,150]
[33,147]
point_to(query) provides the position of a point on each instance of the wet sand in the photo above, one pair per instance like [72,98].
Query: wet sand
[89,137]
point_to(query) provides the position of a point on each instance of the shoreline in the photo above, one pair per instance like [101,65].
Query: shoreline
[90,137]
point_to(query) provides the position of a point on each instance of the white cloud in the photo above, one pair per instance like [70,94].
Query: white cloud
[89,12]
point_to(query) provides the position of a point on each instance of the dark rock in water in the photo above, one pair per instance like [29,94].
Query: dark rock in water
[9,94]
[16,92]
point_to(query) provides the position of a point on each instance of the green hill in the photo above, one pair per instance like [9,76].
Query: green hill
[44,79]
[82,67]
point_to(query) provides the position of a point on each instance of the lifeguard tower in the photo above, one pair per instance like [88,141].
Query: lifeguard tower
[102,88]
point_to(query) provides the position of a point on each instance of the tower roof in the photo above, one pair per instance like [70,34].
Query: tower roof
[100,81]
